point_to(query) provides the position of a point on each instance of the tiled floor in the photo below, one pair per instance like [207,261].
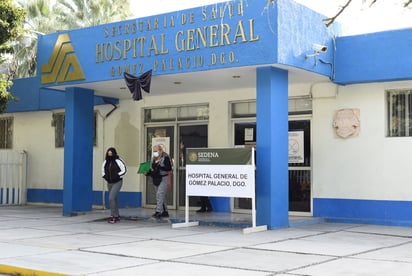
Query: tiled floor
[35,240]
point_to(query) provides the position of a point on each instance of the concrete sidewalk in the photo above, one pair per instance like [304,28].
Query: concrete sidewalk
[36,240]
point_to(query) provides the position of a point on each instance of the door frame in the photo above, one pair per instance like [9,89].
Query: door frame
[175,170]
[307,117]
[178,125]
[145,143]
[234,121]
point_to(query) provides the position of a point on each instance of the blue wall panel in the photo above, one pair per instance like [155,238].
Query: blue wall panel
[220,204]
[375,57]
[44,196]
[385,212]
[299,28]
[126,199]
[223,35]
[33,98]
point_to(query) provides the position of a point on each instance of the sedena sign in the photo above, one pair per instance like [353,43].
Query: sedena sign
[223,172]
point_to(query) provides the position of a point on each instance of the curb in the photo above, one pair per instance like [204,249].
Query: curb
[20,271]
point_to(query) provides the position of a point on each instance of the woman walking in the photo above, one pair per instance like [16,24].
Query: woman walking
[161,173]
[113,168]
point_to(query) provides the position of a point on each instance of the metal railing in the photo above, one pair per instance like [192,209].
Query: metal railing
[13,172]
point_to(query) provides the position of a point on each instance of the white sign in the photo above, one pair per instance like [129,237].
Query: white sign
[249,134]
[224,172]
[218,180]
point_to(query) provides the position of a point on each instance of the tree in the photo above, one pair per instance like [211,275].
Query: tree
[41,16]
[329,21]
[39,20]
[85,13]
[11,23]
[48,16]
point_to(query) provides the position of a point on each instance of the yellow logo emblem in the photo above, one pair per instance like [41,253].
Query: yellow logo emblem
[63,64]
[193,156]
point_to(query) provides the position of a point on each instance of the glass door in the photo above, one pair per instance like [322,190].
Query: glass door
[300,168]
[190,136]
[160,135]
[180,127]
[245,135]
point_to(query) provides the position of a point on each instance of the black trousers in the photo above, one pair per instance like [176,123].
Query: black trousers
[205,203]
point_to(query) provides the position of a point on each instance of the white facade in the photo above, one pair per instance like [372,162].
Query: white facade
[370,166]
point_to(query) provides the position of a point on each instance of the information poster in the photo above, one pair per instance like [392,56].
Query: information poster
[296,149]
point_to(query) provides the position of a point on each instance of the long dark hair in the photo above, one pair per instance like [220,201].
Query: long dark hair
[114,154]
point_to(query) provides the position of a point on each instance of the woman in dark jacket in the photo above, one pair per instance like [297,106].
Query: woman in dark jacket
[113,168]
[161,173]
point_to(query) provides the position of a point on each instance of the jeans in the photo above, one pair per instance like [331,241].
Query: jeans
[114,189]
[161,195]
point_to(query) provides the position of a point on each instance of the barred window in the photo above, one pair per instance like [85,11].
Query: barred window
[58,123]
[6,132]
[399,108]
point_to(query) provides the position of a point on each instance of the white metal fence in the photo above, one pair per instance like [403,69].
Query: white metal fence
[13,171]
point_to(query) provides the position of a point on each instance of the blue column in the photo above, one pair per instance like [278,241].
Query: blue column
[272,192]
[78,151]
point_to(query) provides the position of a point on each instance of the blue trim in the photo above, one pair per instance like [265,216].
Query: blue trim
[126,199]
[384,212]
[220,204]
[44,196]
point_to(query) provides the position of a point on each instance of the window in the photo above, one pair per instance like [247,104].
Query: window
[296,106]
[399,108]
[172,114]
[6,133]
[243,109]
[58,123]
[300,105]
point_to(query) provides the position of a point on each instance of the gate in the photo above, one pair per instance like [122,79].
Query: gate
[13,171]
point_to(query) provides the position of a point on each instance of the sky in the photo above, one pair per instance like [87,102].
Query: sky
[357,18]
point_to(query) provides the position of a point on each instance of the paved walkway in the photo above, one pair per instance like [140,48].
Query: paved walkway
[37,240]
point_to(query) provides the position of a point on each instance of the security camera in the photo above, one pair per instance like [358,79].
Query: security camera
[319,48]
